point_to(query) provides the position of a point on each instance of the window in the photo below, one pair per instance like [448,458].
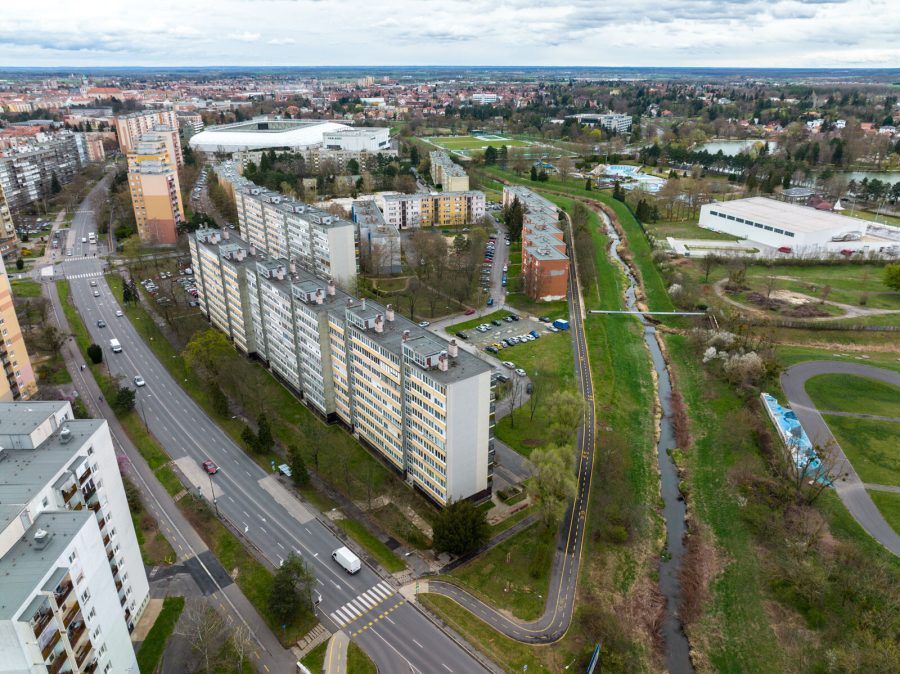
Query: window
[779,231]
[790,234]
[92,614]
[767,228]
[73,556]
[45,502]
[730,217]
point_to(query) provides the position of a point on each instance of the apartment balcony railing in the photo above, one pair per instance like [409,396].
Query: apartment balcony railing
[90,668]
[76,634]
[58,662]
[69,615]
[101,522]
[95,506]
[69,493]
[62,594]
[48,649]
[84,476]
[38,626]
[109,555]
[118,585]
[82,655]
[106,540]
[88,490]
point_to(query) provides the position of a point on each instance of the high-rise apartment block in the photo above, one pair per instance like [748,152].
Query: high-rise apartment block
[423,405]
[7,226]
[545,265]
[18,382]
[155,191]
[73,583]
[27,173]
[130,128]
[379,242]
[448,174]
[320,242]
[438,209]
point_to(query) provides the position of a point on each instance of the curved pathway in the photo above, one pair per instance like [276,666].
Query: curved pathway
[849,487]
[560,601]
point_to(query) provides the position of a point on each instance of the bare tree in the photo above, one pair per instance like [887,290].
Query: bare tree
[813,473]
[243,644]
[565,166]
[826,291]
[516,392]
[771,285]
[204,628]
[708,262]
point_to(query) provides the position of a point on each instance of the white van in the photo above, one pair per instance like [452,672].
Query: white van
[347,559]
[115,346]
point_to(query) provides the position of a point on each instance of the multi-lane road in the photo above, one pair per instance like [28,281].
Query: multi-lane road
[560,603]
[397,636]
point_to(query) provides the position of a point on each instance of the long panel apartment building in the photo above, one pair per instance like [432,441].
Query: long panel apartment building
[73,581]
[438,209]
[283,227]
[424,406]
[18,381]
[26,174]
[155,190]
[545,264]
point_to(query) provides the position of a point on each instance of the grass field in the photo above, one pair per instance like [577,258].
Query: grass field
[685,229]
[889,505]
[358,662]
[153,646]
[873,447]
[843,393]
[315,659]
[379,551]
[478,320]
[473,142]
[26,288]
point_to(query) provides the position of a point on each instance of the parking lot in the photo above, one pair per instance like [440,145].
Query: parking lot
[492,336]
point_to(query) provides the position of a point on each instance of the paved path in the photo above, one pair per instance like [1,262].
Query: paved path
[882,487]
[858,415]
[336,654]
[849,487]
[560,602]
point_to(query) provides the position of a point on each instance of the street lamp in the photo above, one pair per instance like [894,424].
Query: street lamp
[212,494]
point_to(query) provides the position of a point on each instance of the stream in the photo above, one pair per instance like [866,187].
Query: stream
[677,650]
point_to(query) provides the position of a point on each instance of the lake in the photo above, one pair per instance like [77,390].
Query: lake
[884,176]
[732,147]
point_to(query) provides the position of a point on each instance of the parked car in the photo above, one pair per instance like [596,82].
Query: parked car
[424,324]
[490,301]
[509,364]
[520,372]
[515,317]
[210,467]
[529,389]
[462,335]
[496,322]
[491,349]
[544,319]
[469,312]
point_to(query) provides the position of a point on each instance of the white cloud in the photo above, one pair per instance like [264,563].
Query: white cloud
[246,36]
[763,33]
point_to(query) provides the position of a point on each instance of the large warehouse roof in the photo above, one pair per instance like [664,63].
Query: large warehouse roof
[262,134]
[796,218]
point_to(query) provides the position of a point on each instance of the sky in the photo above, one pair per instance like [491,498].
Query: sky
[710,33]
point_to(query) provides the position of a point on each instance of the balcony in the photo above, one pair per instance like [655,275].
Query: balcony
[106,540]
[62,593]
[82,655]
[58,662]
[69,615]
[109,555]
[95,506]
[76,634]
[88,490]
[90,668]
[39,625]
[114,568]
[48,649]
[118,586]
[69,493]
[101,522]
[84,476]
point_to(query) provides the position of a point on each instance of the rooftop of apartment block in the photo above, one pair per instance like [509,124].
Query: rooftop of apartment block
[28,562]
[545,253]
[449,167]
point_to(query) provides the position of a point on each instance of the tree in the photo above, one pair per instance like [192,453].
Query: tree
[566,409]
[617,192]
[203,628]
[771,284]
[709,261]
[490,156]
[20,264]
[891,276]
[518,162]
[534,173]
[207,352]
[565,166]
[124,400]
[292,589]
[264,438]
[353,167]
[515,218]
[95,353]
[249,439]
[588,185]
[55,187]
[218,400]
[299,473]
[553,484]
[460,528]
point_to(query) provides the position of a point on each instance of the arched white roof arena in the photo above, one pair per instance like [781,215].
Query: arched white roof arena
[243,136]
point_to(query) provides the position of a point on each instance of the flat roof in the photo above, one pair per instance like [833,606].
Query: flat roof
[249,135]
[796,218]
[23,567]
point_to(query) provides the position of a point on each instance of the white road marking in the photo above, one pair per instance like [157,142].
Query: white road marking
[417,643]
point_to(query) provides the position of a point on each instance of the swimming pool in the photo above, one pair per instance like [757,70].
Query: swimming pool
[622,170]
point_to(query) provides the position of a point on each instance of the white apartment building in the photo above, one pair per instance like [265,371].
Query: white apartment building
[611,121]
[285,228]
[73,583]
[368,139]
[447,173]
[26,173]
[425,407]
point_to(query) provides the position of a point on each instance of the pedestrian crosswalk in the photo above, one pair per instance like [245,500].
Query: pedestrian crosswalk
[93,274]
[362,604]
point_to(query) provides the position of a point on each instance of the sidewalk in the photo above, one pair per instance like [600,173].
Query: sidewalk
[271,657]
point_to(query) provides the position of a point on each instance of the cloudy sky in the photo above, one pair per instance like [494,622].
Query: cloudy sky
[742,33]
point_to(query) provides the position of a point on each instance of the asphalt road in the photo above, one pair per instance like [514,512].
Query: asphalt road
[560,603]
[395,634]
[849,487]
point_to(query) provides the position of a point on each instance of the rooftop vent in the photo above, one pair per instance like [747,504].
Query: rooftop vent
[65,435]
[41,539]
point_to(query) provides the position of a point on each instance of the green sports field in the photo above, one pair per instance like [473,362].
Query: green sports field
[473,142]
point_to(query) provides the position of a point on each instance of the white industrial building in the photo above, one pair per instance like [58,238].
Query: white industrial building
[72,582]
[802,229]
[296,135]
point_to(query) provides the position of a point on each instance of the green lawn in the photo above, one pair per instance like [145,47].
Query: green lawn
[153,646]
[513,576]
[846,393]
[315,659]
[23,288]
[473,143]
[873,447]
[548,362]
[685,229]
[792,354]
[474,322]
[379,551]
[889,505]
[358,662]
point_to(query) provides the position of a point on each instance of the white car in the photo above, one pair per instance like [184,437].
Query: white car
[520,372]
[96,293]
[509,364]
[119,313]
[424,324]
[139,380]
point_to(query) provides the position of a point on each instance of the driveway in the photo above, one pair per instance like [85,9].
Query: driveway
[849,487]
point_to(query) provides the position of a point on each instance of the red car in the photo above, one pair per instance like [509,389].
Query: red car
[469,312]
[210,467]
